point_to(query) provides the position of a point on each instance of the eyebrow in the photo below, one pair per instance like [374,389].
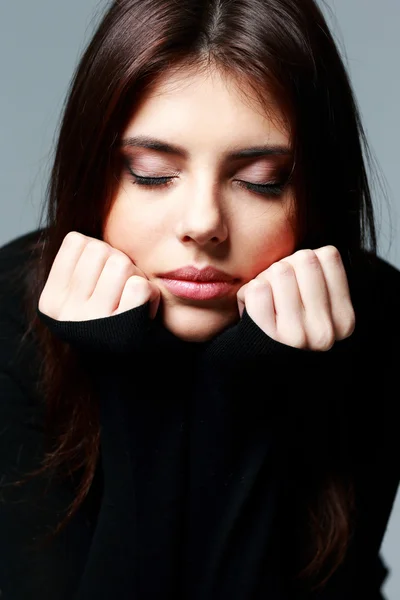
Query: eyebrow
[150,143]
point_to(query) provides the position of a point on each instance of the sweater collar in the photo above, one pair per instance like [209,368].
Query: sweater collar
[240,341]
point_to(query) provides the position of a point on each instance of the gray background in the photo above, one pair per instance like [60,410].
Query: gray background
[40,44]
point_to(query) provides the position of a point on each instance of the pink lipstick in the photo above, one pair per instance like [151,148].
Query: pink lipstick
[198,284]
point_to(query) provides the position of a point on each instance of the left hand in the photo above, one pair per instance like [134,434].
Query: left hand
[302,300]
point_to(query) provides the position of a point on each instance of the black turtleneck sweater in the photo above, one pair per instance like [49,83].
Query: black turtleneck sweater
[208,454]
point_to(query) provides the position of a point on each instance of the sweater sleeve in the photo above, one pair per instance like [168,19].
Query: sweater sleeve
[28,512]
[118,334]
[246,341]
[108,348]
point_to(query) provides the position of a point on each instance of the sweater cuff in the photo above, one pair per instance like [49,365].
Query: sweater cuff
[246,340]
[116,334]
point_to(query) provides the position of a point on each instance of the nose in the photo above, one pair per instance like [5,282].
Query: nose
[202,218]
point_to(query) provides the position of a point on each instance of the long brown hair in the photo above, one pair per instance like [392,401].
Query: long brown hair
[283,47]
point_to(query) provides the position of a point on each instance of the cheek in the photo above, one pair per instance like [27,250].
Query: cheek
[269,240]
[130,228]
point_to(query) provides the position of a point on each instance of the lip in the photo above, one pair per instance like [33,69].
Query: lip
[195,290]
[198,284]
[206,275]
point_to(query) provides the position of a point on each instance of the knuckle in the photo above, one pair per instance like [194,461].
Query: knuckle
[120,261]
[307,256]
[324,338]
[136,280]
[138,289]
[329,253]
[96,246]
[348,325]
[300,340]
[254,284]
[295,336]
[74,237]
[281,267]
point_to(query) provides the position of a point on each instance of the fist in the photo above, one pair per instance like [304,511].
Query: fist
[89,279]
[302,300]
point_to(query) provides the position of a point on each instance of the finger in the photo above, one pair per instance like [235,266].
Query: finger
[311,281]
[258,299]
[65,261]
[315,298]
[109,285]
[88,271]
[137,291]
[288,305]
[342,311]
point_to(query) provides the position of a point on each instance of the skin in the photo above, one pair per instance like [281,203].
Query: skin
[203,216]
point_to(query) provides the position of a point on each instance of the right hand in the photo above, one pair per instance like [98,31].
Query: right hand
[89,279]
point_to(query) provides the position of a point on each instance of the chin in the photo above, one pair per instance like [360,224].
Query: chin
[195,323]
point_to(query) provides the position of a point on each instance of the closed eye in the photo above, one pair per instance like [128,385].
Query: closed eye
[151,181]
[275,188]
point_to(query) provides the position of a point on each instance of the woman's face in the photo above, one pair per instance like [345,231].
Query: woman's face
[205,215]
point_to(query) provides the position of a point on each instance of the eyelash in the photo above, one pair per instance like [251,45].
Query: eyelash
[266,189]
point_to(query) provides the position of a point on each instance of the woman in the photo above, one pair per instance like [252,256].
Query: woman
[231,436]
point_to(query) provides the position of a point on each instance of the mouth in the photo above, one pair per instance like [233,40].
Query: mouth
[190,282]
[198,290]
[207,274]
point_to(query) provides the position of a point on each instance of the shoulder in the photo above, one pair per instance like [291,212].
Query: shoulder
[14,263]
[375,278]
[375,291]
[18,366]
[29,511]
[370,372]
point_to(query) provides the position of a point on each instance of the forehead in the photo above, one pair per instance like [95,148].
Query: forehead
[211,99]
